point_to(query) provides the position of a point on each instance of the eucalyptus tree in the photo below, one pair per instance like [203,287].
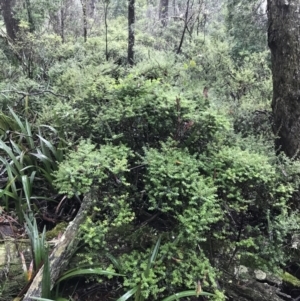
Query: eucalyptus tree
[283,39]
[7,8]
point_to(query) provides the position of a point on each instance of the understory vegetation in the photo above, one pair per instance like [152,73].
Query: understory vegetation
[179,147]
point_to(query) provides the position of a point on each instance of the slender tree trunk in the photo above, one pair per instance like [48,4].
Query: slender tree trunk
[164,11]
[30,17]
[198,21]
[57,20]
[92,7]
[106,4]
[186,21]
[284,42]
[11,23]
[84,14]
[131,36]
[174,8]
[62,24]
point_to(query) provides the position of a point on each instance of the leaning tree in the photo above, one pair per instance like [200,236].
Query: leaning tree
[284,42]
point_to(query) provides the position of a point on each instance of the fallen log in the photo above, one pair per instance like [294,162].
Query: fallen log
[63,250]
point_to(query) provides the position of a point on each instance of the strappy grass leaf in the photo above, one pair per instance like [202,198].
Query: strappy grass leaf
[184,294]
[11,156]
[45,299]
[46,174]
[114,261]
[37,241]
[129,294]
[6,123]
[25,129]
[58,151]
[27,188]
[46,282]
[153,257]
[49,145]
[29,134]
[4,192]
[82,272]
[41,299]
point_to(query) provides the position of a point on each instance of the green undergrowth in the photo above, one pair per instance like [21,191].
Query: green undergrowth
[179,147]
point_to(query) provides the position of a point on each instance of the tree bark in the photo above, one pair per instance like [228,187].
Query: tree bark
[186,21]
[106,4]
[164,11]
[63,251]
[84,14]
[11,23]
[57,20]
[131,36]
[92,7]
[62,24]
[284,42]
[30,16]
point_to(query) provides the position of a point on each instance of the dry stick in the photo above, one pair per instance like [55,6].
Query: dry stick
[63,251]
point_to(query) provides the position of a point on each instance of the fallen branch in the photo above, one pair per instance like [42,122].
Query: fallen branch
[63,251]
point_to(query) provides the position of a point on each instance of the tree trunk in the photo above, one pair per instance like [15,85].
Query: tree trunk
[84,14]
[106,4]
[131,20]
[63,251]
[57,20]
[92,7]
[11,24]
[62,24]
[186,21]
[30,16]
[283,40]
[163,11]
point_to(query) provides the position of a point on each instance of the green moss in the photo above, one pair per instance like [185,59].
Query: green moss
[287,277]
[61,227]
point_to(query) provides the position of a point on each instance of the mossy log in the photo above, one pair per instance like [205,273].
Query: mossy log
[63,251]
[252,291]
[10,265]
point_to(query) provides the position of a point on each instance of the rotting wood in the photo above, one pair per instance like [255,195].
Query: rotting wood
[63,251]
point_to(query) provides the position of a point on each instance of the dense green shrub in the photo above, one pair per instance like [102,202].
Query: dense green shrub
[169,164]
